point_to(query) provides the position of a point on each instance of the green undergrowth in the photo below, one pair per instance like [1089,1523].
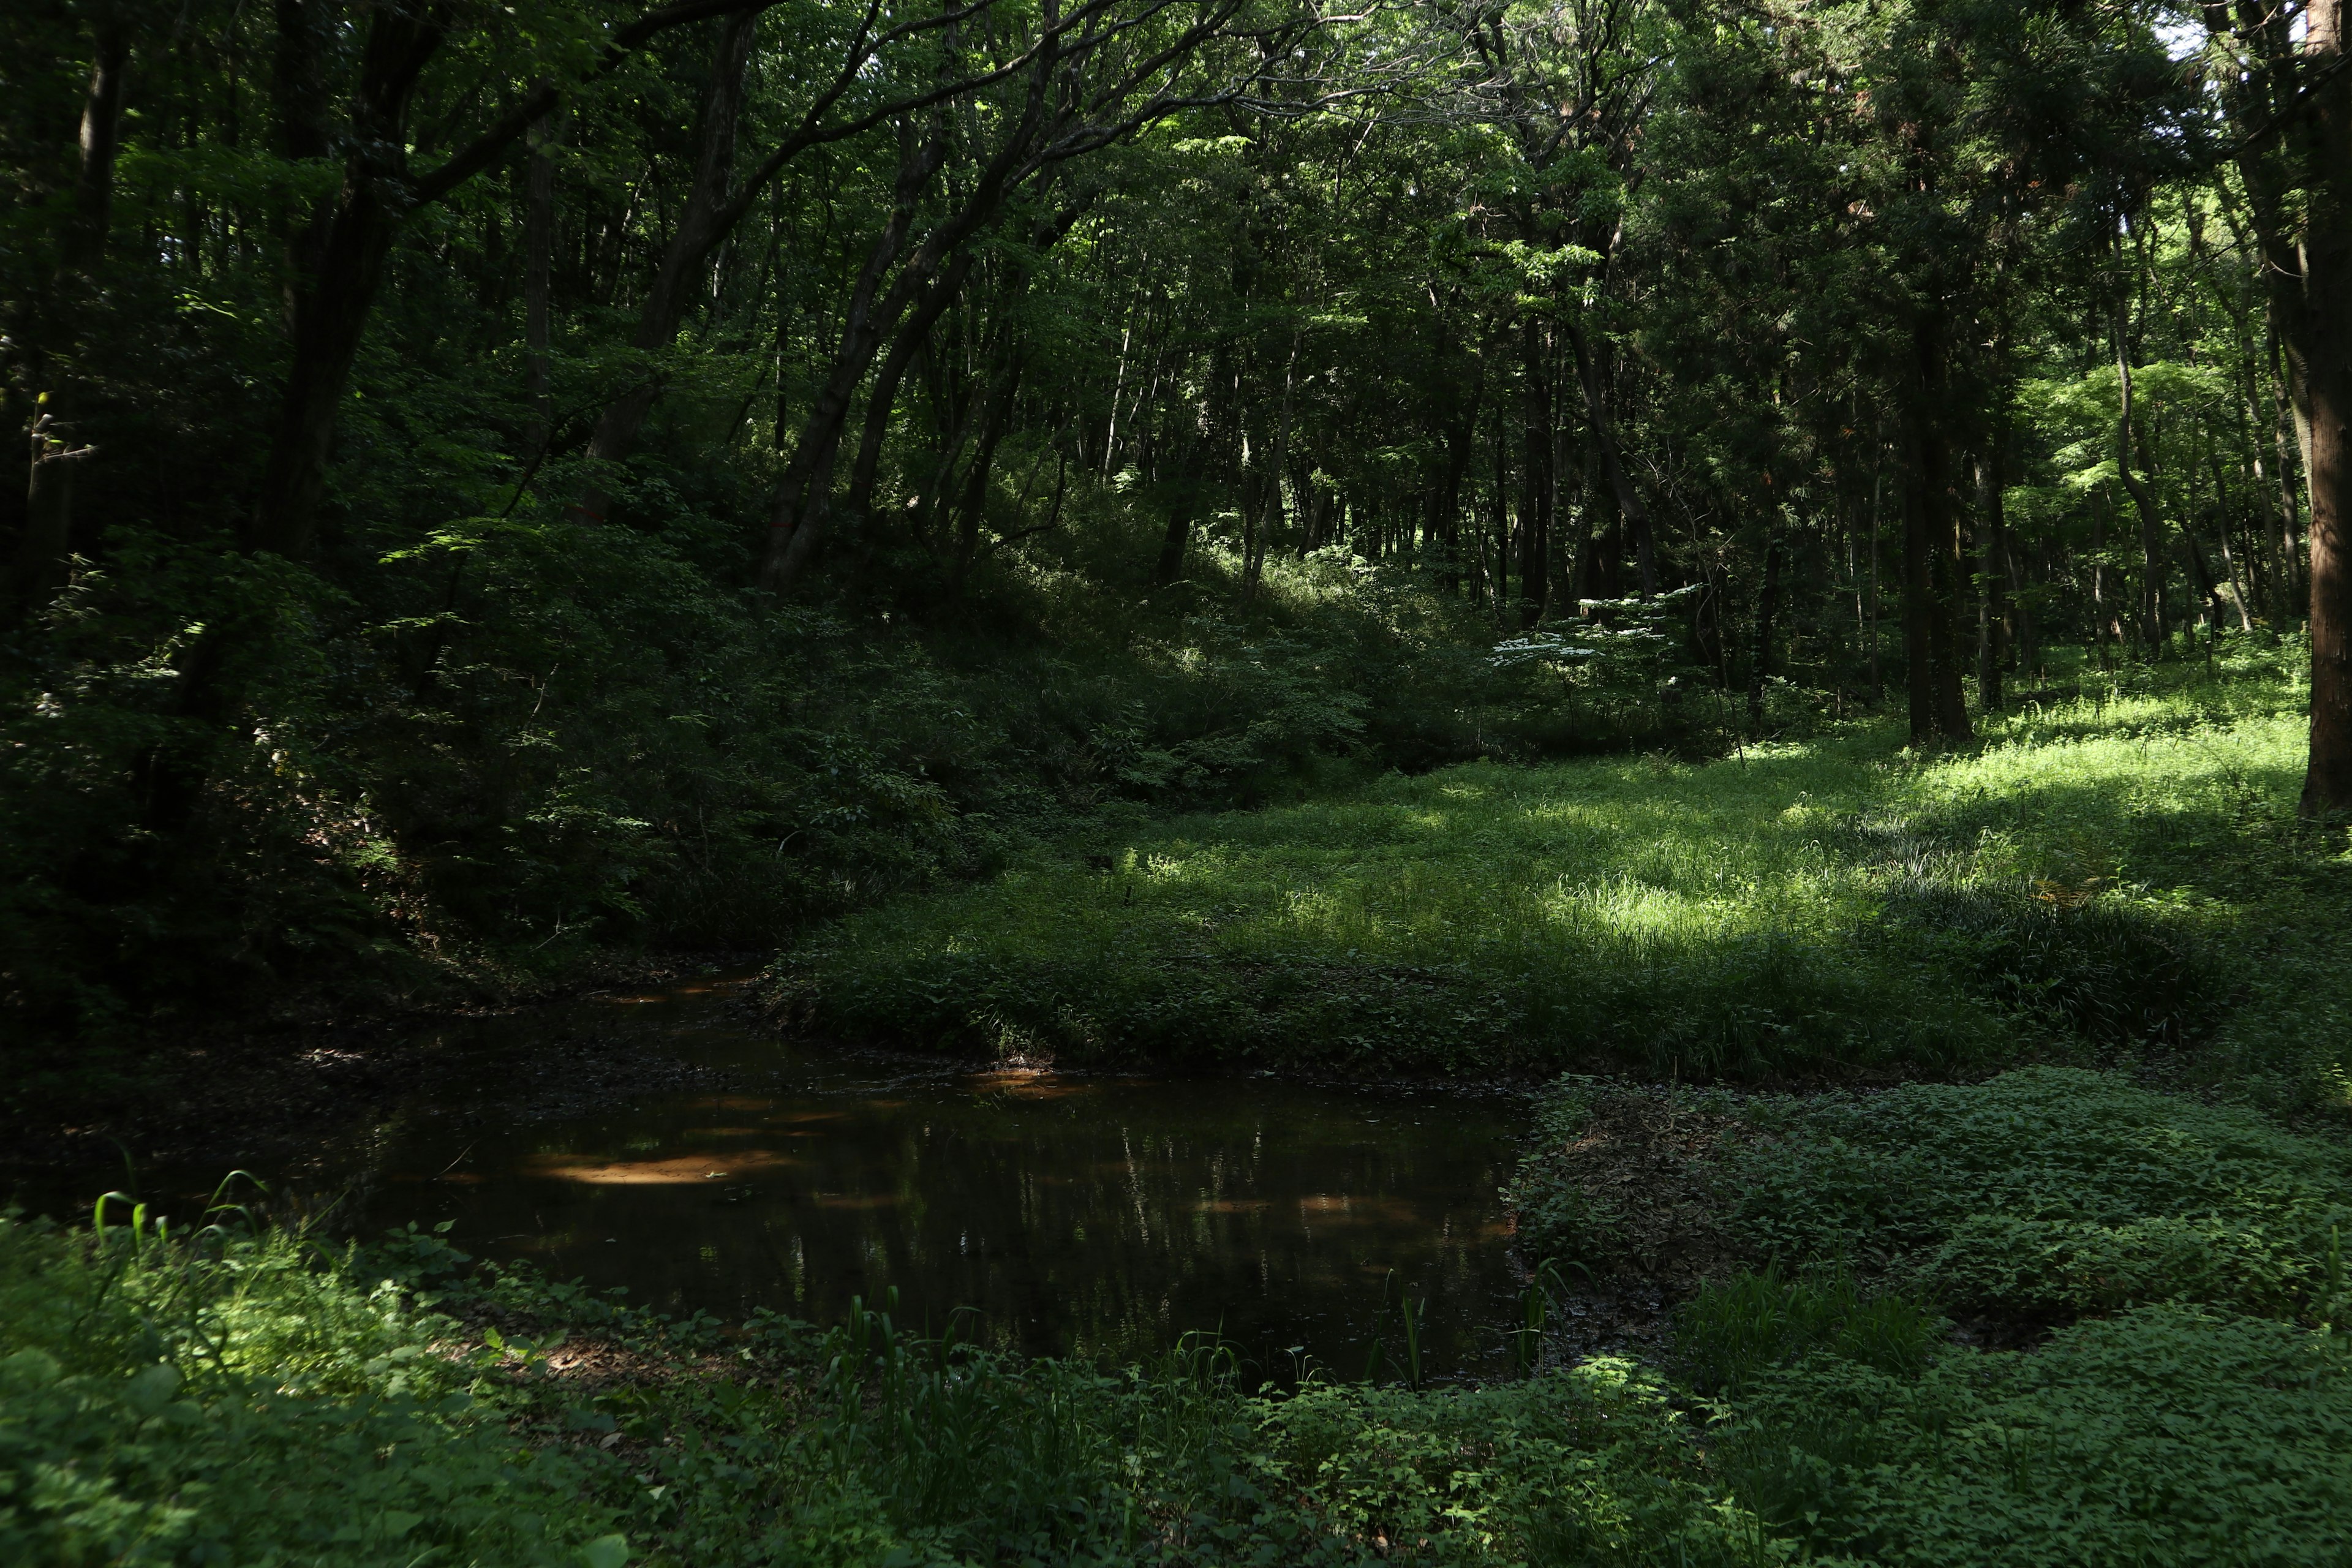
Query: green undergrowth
[2111,873]
[235,1396]
[2169,1434]
[242,1398]
[2039,1197]
[2175,1267]
[2050,1193]
[228,1400]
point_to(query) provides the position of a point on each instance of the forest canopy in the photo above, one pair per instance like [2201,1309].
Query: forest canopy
[507,479]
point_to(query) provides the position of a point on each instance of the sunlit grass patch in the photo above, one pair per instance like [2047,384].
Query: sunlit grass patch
[1797,909]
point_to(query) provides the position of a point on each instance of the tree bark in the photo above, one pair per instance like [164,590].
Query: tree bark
[970,509]
[699,232]
[1992,574]
[46,538]
[2151,524]
[912,333]
[2327,305]
[1931,556]
[802,494]
[1593,374]
[539,258]
[1534,472]
[1767,603]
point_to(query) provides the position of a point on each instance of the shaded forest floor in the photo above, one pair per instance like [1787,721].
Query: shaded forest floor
[1980,1118]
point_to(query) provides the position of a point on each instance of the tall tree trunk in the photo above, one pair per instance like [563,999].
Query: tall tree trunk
[1593,374]
[801,495]
[2327,303]
[1534,472]
[1931,554]
[1767,603]
[46,538]
[972,510]
[538,280]
[2151,525]
[340,260]
[697,234]
[1992,574]
[912,333]
[797,520]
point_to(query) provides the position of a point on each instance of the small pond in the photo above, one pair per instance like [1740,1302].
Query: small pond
[1101,1215]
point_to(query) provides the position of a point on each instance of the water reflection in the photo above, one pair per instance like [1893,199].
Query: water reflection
[1100,1216]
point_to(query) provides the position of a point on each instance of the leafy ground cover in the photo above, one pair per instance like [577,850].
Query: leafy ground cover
[2114,870]
[242,1398]
[2147,1367]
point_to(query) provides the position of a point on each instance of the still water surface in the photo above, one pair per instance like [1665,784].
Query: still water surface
[1100,1215]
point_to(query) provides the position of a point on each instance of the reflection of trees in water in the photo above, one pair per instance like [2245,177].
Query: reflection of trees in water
[1105,1218]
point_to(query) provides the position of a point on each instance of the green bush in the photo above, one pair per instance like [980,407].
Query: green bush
[1734,1331]
[1589,1464]
[2050,1192]
[2169,1434]
[227,1400]
[2102,967]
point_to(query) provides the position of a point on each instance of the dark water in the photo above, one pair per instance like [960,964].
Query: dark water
[1097,1216]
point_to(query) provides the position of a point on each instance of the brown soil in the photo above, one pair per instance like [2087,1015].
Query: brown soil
[1635,1215]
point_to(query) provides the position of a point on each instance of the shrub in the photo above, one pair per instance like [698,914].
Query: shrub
[2171,1435]
[1589,1464]
[227,1400]
[2049,1191]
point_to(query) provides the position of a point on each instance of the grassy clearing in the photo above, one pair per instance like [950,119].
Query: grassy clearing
[2112,869]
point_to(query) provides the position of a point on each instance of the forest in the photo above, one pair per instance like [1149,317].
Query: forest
[1763,585]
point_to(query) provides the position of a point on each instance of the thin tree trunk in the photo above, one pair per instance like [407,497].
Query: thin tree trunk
[1992,574]
[1931,555]
[1535,468]
[994,421]
[801,495]
[2151,526]
[46,538]
[884,397]
[1877,497]
[538,280]
[1767,603]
